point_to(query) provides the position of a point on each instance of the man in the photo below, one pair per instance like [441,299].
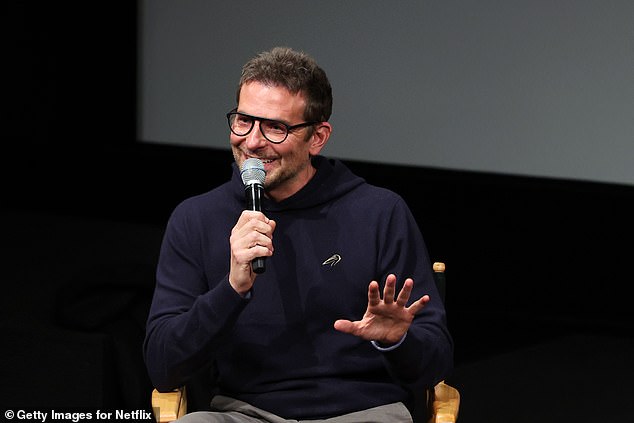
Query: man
[345,324]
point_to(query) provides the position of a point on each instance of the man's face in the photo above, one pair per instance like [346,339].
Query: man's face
[287,164]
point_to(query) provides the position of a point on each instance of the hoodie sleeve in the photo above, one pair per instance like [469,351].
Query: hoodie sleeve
[425,356]
[189,315]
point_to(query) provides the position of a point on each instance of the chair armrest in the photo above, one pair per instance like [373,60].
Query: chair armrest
[446,404]
[169,406]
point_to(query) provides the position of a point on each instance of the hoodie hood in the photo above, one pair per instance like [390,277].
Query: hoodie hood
[332,180]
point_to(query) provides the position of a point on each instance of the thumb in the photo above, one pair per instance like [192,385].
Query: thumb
[345,326]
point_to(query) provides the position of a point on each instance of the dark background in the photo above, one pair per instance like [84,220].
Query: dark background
[538,269]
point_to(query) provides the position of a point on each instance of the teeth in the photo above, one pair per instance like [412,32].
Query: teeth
[263,160]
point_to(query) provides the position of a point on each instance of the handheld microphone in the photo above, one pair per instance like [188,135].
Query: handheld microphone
[253,175]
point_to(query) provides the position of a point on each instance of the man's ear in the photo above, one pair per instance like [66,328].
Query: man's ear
[319,138]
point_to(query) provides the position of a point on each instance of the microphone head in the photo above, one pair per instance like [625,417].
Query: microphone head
[253,172]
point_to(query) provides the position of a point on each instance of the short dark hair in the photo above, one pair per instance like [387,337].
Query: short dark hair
[297,72]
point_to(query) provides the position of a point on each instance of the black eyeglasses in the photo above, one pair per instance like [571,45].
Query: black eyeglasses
[273,130]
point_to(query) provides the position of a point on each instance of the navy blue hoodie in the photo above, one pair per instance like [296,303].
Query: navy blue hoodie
[278,349]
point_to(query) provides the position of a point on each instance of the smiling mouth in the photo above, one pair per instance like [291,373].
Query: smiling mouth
[263,160]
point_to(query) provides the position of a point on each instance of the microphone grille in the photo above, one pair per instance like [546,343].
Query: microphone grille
[253,172]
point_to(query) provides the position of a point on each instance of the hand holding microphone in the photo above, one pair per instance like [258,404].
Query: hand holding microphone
[253,175]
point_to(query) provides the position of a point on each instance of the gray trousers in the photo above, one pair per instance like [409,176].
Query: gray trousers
[234,411]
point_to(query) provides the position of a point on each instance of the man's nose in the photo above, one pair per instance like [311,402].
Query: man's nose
[255,139]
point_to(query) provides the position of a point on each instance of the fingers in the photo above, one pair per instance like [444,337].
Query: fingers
[345,326]
[403,296]
[419,304]
[389,294]
[374,298]
[389,289]
[253,220]
[252,236]
[386,319]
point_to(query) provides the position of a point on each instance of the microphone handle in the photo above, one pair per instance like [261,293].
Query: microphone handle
[258,265]
[254,202]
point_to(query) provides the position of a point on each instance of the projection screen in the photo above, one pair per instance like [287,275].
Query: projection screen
[538,88]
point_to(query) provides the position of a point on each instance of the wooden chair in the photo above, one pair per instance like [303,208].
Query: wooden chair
[169,406]
[444,399]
